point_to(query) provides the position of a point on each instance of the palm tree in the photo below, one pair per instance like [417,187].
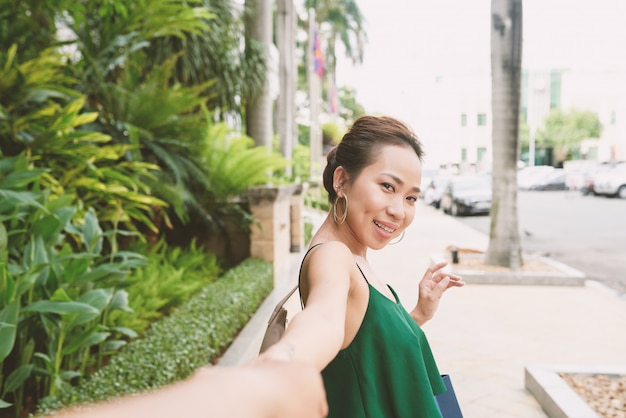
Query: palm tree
[340,20]
[258,106]
[506,57]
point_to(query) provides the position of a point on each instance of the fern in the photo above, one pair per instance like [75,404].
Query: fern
[172,275]
[234,164]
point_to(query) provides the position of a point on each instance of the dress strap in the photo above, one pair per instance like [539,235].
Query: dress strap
[300,271]
[362,274]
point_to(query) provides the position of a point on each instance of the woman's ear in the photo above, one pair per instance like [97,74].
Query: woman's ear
[340,177]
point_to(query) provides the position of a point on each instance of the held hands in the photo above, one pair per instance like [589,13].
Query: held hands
[432,286]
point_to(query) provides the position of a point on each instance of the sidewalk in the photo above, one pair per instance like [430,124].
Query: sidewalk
[485,335]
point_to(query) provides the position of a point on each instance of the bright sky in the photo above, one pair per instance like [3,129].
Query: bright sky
[410,42]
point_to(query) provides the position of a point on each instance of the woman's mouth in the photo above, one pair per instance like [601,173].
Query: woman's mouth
[385,228]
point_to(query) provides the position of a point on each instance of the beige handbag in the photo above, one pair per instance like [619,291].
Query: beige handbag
[277,323]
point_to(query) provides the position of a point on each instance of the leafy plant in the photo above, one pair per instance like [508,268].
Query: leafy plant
[234,164]
[57,288]
[169,278]
[193,336]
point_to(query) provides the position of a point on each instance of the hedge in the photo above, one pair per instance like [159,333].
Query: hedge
[192,336]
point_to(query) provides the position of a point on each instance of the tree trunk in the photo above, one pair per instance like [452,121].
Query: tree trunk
[259,108]
[506,60]
[286,108]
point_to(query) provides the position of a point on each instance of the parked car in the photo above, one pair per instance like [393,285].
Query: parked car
[434,190]
[611,182]
[589,176]
[527,177]
[554,179]
[467,195]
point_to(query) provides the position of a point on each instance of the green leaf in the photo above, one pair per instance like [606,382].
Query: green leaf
[46,360]
[92,233]
[17,378]
[23,198]
[7,285]
[86,339]
[48,227]
[113,346]
[61,308]
[98,298]
[67,375]
[21,179]
[25,283]
[120,301]
[4,404]
[60,295]
[8,327]
[102,272]
[125,331]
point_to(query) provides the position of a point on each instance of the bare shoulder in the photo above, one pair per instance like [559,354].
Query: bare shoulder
[333,254]
[327,268]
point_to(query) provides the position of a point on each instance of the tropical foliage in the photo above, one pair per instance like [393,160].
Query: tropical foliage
[104,142]
[112,136]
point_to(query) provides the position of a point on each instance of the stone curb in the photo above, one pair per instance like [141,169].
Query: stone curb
[564,276]
[555,395]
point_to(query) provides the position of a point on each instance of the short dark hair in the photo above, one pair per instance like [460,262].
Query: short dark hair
[360,146]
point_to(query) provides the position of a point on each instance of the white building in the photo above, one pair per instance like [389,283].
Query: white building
[464,107]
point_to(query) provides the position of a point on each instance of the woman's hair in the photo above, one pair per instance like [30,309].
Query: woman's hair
[361,145]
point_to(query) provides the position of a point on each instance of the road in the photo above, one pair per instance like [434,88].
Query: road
[587,233]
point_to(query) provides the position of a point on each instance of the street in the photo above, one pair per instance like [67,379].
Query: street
[587,233]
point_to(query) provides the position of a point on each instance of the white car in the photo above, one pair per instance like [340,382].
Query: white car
[611,182]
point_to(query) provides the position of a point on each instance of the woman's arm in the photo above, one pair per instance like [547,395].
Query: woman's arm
[268,390]
[431,288]
[316,334]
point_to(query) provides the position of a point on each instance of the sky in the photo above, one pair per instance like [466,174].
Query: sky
[411,42]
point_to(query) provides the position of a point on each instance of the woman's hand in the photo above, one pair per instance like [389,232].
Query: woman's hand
[432,286]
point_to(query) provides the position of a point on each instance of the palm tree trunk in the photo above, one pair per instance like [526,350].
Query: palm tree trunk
[506,60]
[259,108]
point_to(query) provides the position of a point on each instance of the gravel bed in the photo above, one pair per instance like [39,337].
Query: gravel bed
[605,394]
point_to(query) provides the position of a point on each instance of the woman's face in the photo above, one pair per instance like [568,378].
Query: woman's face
[382,198]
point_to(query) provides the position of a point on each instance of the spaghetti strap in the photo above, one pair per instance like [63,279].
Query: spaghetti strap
[300,272]
[362,274]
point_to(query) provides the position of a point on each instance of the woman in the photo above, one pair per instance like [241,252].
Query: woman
[374,358]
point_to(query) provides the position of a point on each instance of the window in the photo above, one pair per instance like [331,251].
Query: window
[463,119]
[480,153]
[463,154]
[482,119]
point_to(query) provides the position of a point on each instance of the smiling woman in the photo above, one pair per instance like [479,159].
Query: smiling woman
[374,357]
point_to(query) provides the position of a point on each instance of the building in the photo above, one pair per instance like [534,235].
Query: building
[464,107]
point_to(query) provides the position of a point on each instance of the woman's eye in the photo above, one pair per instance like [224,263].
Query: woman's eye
[387,186]
[412,199]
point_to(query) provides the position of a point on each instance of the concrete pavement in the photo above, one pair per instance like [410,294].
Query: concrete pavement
[484,336]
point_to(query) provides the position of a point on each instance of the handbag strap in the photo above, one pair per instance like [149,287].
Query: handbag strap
[280,303]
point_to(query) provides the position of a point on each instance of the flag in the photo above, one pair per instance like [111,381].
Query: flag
[318,56]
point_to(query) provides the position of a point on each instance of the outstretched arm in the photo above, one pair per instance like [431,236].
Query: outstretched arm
[271,389]
[431,288]
[316,334]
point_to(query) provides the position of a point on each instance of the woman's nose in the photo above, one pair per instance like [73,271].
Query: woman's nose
[396,208]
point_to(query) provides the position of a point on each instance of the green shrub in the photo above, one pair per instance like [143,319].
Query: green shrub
[171,276]
[193,336]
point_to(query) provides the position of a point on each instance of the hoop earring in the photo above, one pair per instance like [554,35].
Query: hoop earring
[401,238]
[340,219]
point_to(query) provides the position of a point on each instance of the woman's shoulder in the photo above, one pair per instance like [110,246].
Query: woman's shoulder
[335,249]
[328,254]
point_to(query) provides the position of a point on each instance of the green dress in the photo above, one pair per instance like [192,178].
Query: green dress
[388,371]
